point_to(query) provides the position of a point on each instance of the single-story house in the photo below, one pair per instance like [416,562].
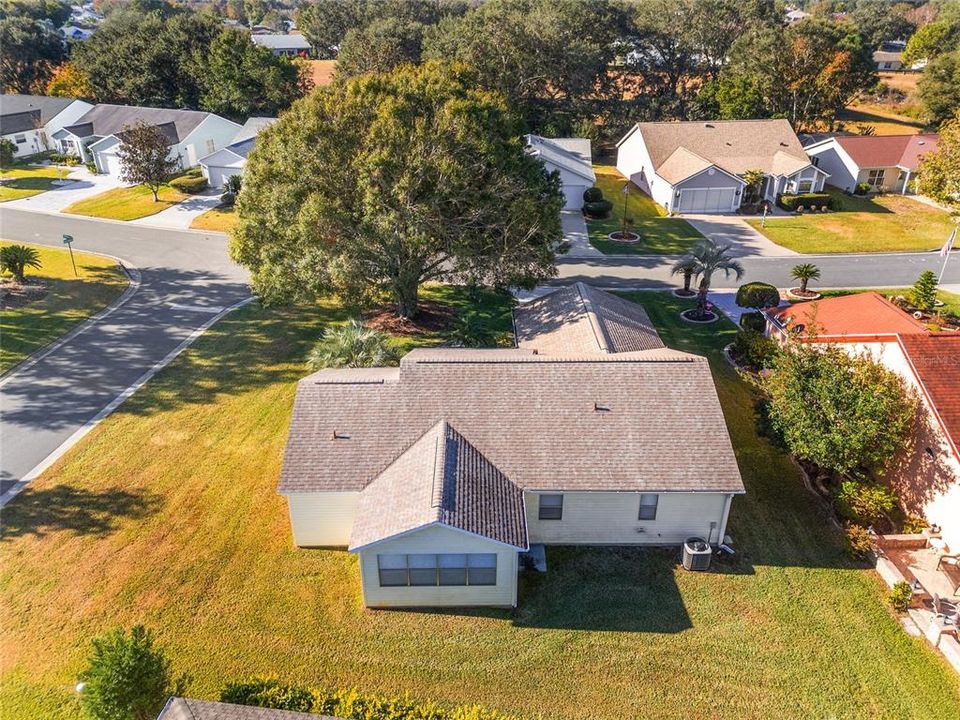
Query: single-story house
[926,474]
[97,134]
[440,473]
[179,708]
[73,32]
[794,15]
[29,121]
[885,60]
[885,162]
[698,167]
[279,44]
[218,167]
[572,158]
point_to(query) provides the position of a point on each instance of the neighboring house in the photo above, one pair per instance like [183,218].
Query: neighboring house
[439,474]
[29,121]
[97,134]
[794,15]
[221,165]
[885,162]
[72,32]
[282,44]
[926,474]
[572,158]
[885,60]
[178,708]
[698,167]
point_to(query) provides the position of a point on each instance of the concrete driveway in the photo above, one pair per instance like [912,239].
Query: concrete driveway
[186,282]
[576,234]
[733,230]
[181,215]
[82,184]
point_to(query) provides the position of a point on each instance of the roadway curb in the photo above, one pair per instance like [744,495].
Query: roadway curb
[81,432]
[125,223]
[133,276]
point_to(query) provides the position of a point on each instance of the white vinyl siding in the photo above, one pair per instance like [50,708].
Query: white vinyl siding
[426,546]
[611,518]
[322,519]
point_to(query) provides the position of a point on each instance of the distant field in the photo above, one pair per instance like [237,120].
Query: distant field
[321,71]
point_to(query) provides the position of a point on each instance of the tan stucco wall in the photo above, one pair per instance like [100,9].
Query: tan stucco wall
[607,518]
[436,539]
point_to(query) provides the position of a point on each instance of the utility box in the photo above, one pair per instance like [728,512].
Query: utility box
[696,554]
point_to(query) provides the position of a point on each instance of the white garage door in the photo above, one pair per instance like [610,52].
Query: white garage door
[574,196]
[217,176]
[110,164]
[706,200]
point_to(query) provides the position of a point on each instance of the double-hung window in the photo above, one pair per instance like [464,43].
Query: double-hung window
[442,569]
[551,507]
[648,506]
[875,177]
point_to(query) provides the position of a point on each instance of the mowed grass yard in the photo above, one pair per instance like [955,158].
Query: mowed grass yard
[659,235]
[21,182]
[884,223]
[167,514]
[68,301]
[127,203]
[220,219]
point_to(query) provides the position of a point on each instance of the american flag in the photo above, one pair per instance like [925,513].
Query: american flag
[948,245]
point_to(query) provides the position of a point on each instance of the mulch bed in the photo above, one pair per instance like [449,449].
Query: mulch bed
[14,295]
[431,317]
[691,316]
[803,294]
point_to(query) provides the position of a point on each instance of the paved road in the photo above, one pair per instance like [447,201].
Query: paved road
[837,271]
[186,278]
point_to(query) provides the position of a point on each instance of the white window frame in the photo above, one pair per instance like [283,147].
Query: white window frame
[875,177]
[648,501]
[478,569]
[553,507]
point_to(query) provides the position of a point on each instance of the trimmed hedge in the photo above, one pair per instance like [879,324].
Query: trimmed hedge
[757,295]
[189,184]
[755,350]
[599,209]
[592,195]
[271,693]
[753,321]
[228,198]
[806,201]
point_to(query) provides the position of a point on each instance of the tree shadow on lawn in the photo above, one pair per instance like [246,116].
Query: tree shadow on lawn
[75,510]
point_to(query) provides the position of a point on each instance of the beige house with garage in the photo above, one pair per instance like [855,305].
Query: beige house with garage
[441,474]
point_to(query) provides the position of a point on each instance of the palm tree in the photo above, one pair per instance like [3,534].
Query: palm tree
[352,346]
[805,272]
[15,259]
[707,258]
[687,266]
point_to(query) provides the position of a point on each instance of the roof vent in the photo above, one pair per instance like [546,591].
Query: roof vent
[601,408]
[340,435]
[783,144]
[920,142]
[707,125]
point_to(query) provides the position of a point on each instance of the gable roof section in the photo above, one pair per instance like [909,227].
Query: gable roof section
[104,120]
[580,320]
[441,479]
[880,151]
[275,41]
[178,708]
[617,422]
[734,146]
[29,112]
[252,127]
[860,315]
[935,358]
[563,153]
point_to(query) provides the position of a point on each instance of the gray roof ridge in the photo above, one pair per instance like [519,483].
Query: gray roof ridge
[439,465]
[599,330]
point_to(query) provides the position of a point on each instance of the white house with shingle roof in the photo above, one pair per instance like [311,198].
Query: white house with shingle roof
[29,121]
[439,473]
[572,159]
[698,167]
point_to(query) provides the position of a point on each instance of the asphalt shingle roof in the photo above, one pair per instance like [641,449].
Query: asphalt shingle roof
[281,42]
[580,319]
[104,120]
[572,154]
[19,113]
[881,151]
[178,708]
[630,421]
[936,359]
[441,478]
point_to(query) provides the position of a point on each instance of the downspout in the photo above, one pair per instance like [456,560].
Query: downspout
[722,529]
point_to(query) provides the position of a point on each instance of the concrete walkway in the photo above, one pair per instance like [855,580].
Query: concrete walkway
[82,184]
[575,232]
[733,230]
[181,215]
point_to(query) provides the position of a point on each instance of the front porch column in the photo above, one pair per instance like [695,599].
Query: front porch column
[906,181]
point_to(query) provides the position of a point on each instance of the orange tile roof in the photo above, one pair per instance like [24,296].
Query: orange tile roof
[860,315]
[936,362]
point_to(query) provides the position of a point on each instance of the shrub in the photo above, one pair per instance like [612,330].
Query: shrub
[758,295]
[194,172]
[592,195]
[15,259]
[233,184]
[347,703]
[7,151]
[189,184]
[91,166]
[228,198]
[754,350]
[863,502]
[900,596]
[923,295]
[599,209]
[753,321]
[862,188]
[859,544]
[352,346]
[799,202]
[913,525]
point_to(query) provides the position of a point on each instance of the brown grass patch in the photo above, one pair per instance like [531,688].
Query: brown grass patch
[431,317]
[13,295]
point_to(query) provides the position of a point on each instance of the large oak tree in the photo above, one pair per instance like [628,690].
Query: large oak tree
[383,182]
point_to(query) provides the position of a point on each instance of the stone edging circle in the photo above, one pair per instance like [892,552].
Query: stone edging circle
[683,296]
[793,296]
[716,316]
[634,238]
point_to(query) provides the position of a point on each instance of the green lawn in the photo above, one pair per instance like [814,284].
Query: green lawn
[220,219]
[167,513]
[127,203]
[68,301]
[660,235]
[23,182]
[886,223]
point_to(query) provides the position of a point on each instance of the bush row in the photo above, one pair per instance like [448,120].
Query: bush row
[271,693]
[806,201]
[189,184]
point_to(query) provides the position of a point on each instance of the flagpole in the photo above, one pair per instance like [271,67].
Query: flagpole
[946,254]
